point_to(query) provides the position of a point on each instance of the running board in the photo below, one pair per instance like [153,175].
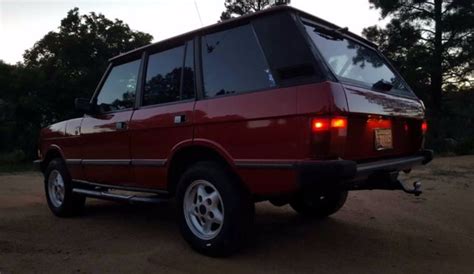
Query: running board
[118,197]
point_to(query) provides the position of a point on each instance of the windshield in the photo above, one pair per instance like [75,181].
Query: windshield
[354,63]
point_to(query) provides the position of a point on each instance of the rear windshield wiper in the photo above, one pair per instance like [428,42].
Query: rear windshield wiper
[332,34]
[382,85]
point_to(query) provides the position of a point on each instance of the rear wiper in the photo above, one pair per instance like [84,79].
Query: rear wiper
[332,34]
[382,85]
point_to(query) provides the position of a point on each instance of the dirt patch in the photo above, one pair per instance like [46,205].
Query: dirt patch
[375,232]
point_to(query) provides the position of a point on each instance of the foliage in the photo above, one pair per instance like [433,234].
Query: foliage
[12,157]
[431,42]
[455,128]
[235,8]
[61,66]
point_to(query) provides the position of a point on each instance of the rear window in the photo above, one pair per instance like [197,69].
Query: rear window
[355,63]
[233,62]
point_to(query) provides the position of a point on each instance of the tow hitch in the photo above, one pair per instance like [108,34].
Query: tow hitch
[416,190]
[385,181]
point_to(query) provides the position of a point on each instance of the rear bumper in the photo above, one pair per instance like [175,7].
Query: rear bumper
[352,175]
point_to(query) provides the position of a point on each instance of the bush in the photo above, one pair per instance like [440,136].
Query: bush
[14,157]
[465,147]
[452,132]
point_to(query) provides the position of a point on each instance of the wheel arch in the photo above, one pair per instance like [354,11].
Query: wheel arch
[52,152]
[187,155]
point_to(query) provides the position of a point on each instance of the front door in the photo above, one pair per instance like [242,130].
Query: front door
[105,134]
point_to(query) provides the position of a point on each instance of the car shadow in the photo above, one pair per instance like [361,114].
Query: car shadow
[275,231]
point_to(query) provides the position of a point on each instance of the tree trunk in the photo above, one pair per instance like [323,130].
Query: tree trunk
[437,73]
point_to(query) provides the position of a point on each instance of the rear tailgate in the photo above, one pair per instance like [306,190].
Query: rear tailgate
[381,125]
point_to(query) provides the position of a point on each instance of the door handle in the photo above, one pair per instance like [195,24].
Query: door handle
[121,125]
[179,119]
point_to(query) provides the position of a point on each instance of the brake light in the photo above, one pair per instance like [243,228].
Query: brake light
[328,137]
[424,127]
[325,124]
[320,124]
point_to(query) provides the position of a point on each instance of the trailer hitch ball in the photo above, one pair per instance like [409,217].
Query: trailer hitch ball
[417,188]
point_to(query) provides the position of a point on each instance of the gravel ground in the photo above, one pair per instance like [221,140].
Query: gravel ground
[375,232]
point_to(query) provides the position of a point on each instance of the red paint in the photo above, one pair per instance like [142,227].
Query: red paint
[101,139]
[271,126]
[154,134]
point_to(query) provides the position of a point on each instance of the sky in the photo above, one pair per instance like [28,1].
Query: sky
[23,22]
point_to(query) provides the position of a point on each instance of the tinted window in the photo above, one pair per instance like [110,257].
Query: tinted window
[233,62]
[286,49]
[354,62]
[163,76]
[118,91]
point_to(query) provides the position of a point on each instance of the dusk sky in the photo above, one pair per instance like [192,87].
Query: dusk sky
[23,22]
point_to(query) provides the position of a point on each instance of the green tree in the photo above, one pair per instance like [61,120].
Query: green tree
[61,66]
[70,62]
[235,8]
[430,41]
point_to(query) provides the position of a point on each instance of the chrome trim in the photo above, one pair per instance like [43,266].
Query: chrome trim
[73,161]
[149,162]
[117,162]
[106,162]
[264,164]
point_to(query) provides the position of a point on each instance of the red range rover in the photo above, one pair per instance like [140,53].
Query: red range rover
[278,105]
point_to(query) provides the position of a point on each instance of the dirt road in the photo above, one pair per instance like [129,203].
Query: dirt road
[375,232]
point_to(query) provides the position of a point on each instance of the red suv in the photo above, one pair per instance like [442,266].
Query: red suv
[278,105]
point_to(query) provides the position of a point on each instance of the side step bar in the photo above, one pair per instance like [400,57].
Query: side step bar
[118,197]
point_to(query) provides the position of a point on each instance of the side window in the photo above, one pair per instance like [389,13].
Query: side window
[118,91]
[233,62]
[165,74]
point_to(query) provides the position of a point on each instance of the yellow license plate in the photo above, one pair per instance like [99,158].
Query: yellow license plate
[383,138]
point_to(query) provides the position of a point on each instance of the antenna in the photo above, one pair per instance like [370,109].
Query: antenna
[199,14]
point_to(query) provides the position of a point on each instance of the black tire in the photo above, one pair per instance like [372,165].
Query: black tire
[237,207]
[72,204]
[318,205]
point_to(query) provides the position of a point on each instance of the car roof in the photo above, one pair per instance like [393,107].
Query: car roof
[179,39]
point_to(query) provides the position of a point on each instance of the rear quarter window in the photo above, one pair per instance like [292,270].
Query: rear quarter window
[233,62]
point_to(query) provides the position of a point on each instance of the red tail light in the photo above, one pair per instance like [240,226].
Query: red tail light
[325,124]
[424,127]
[320,124]
[328,137]
[339,123]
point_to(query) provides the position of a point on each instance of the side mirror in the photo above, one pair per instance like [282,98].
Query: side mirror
[83,105]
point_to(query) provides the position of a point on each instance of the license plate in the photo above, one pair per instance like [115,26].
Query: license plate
[383,138]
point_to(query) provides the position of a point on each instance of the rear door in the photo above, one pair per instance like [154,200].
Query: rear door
[106,136]
[385,116]
[165,117]
[382,125]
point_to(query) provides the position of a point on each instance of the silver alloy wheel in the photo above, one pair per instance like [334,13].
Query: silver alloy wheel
[56,188]
[203,209]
